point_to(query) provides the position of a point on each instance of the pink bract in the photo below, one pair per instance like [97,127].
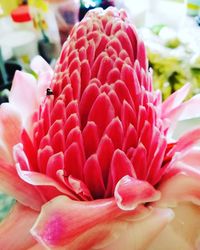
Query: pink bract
[87,149]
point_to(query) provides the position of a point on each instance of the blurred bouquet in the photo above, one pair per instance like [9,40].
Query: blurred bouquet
[174,59]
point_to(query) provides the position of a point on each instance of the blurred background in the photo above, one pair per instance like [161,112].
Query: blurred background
[169,28]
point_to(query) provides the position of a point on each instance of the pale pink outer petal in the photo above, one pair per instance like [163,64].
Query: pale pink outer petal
[10,128]
[44,82]
[27,92]
[44,72]
[62,220]
[14,229]
[130,192]
[23,94]
[190,109]
[13,185]
[174,100]
[139,234]
[183,232]
[104,235]
[173,110]
[184,112]
[192,157]
[39,65]
[180,184]
[67,224]
[185,143]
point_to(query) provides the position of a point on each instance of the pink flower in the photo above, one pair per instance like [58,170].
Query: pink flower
[87,150]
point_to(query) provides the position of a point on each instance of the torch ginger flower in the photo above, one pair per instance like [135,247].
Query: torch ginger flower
[86,151]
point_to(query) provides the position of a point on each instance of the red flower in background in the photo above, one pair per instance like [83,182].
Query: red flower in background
[96,138]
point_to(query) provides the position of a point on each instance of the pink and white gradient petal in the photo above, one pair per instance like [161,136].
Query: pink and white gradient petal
[10,128]
[23,94]
[14,186]
[190,109]
[45,74]
[139,234]
[103,235]
[183,232]
[14,229]
[175,100]
[174,109]
[39,65]
[63,220]
[192,157]
[180,184]
[185,111]
[98,224]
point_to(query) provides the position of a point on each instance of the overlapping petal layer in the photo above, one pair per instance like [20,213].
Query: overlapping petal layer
[97,225]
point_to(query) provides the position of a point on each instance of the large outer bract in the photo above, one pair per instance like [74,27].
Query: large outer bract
[90,161]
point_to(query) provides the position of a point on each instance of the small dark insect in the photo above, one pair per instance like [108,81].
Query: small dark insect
[49,91]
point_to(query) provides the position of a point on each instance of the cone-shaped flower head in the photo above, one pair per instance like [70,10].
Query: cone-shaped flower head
[100,120]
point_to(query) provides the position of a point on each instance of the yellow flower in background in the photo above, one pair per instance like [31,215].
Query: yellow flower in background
[39,4]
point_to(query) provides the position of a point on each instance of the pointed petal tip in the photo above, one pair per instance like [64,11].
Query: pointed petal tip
[130,192]
[25,101]
[175,100]
[39,65]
